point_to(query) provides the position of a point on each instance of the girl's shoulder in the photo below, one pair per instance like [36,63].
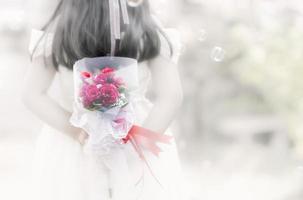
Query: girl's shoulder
[170,40]
[171,44]
[40,43]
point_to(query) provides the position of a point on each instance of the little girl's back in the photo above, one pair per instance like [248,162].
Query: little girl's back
[62,170]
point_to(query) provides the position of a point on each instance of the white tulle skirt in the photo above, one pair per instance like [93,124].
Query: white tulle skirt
[62,170]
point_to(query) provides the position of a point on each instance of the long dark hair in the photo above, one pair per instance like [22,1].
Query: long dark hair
[82,29]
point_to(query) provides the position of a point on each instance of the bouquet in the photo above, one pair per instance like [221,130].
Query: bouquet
[104,87]
[103,90]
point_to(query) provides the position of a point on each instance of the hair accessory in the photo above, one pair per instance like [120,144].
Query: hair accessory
[114,15]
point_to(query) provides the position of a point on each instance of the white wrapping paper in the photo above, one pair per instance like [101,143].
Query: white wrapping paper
[105,128]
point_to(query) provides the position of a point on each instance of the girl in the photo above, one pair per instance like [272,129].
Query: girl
[78,29]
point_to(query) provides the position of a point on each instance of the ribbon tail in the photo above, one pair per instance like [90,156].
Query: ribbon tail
[154,149]
[124,11]
[117,18]
[115,24]
[114,17]
[136,146]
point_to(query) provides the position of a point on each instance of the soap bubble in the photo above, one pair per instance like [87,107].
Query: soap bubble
[217,54]
[134,3]
[202,35]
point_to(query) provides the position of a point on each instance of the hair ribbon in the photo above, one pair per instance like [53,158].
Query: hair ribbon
[114,17]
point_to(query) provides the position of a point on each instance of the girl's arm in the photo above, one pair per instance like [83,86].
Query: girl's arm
[34,96]
[168,92]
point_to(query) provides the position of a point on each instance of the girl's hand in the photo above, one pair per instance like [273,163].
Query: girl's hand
[77,134]
[82,137]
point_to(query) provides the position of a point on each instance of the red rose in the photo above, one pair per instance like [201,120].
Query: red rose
[86,74]
[104,78]
[90,93]
[109,94]
[118,82]
[107,70]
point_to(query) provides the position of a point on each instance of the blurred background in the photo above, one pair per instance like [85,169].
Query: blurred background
[239,131]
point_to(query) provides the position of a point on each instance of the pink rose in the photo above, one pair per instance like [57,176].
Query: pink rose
[118,82]
[86,74]
[108,78]
[109,94]
[87,103]
[90,93]
[107,70]
[104,78]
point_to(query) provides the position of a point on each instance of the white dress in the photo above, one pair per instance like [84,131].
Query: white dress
[63,171]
